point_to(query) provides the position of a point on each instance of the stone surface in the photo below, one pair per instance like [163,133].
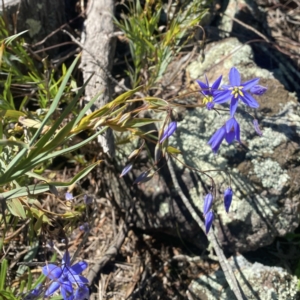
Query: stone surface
[256,281]
[263,170]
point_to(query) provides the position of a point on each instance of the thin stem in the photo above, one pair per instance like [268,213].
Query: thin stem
[226,267]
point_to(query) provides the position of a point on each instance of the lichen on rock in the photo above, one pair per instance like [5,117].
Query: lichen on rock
[262,169]
[256,281]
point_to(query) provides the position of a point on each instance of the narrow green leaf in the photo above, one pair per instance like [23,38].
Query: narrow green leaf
[44,157]
[16,208]
[10,39]
[138,122]
[3,273]
[41,188]
[23,152]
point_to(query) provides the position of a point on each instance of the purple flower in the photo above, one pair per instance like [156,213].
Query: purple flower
[169,131]
[237,90]
[256,127]
[258,90]
[230,131]
[64,277]
[228,198]
[144,177]
[87,199]
[211,93]
[209,218]
[33,294]
[84,227]
[208,201]
[206,89]
[69,196]
[82,293]
[126,169]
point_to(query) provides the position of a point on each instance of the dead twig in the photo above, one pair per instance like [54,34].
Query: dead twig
[111,252]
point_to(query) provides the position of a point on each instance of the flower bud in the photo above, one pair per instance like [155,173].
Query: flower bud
[256,127]
[144,177]
[209,218]
[208,201]
[258,90]
[228,198]
[126,169]
[169,131]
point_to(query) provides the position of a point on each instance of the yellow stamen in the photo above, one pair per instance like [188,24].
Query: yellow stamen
[207,99]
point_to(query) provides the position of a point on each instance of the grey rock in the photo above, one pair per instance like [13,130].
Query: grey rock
[256,281]
[264,171]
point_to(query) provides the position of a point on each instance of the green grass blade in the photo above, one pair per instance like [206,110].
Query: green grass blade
[41,188]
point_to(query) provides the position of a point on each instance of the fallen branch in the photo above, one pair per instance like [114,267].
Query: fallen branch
[111,252]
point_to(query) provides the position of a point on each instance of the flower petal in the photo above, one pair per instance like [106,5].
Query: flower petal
[52,288]
[208,201]
[216,84]
[233,105]
[78,268]
[66,290]
[82,293]
[77,279]
[217,138]
[221,96]
[226,86]
[229,137]
[237,132]
[52,271]
[249,100]
[230,125]
[210,105]
[204,88]
[234,77]
[250,83]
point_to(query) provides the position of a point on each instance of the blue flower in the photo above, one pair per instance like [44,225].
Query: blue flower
[230,131]
[84,227]
[64,277]
[69,196]
[208,201]
[33,294]
[126,169]
[209,218]
[211,93]
[228,198]
[144,177]
[258,90]
[237,90]
[82,293]
[87,199]
[169,131]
